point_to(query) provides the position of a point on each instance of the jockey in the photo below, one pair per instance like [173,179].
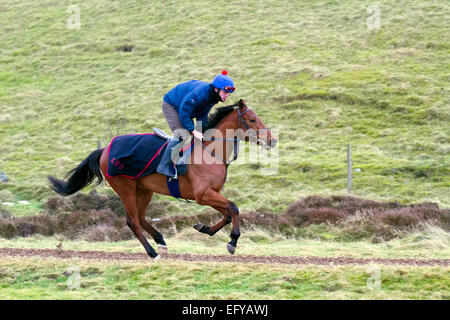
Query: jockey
[188,100]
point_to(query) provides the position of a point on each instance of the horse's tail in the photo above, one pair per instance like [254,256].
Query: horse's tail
[79,177]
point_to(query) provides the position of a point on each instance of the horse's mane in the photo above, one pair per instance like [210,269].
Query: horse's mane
[217,116]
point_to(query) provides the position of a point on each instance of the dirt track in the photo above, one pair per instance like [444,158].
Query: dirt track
[117,256]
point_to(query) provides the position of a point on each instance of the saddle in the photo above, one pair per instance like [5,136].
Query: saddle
[160,133]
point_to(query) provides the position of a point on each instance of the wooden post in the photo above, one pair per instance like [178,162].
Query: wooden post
[349,168]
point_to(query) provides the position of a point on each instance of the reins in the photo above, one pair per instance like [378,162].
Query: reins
[235,140]
[241,124]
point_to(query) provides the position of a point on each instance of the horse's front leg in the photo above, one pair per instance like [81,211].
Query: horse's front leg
[227,208]
[235,233]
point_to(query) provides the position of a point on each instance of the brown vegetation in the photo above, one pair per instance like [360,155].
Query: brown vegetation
[95,217]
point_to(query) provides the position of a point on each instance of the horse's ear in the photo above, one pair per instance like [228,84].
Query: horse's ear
[241,104]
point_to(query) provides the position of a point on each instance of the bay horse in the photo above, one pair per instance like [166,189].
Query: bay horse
[203,181]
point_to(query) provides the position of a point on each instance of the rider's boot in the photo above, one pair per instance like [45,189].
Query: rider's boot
[166,166]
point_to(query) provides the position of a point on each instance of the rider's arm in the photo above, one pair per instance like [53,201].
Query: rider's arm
[203,120]
[186,110]
[203,116]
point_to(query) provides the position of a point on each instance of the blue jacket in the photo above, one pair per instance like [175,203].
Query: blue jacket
[192,99]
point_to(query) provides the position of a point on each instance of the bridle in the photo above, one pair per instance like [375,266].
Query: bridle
[236,140]
[241,119]
[252,137]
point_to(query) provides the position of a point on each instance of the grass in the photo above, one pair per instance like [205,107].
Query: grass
[18,209]
[34,278]
[312,70]
[50,278]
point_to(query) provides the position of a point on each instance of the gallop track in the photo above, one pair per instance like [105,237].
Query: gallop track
[123,256]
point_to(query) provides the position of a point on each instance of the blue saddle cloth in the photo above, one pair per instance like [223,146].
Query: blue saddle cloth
[136,155]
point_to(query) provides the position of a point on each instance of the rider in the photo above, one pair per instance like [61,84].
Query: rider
[188,100]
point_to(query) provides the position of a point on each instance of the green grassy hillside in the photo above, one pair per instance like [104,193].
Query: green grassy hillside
[311,69]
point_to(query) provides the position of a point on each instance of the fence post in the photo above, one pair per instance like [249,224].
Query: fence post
[349,168]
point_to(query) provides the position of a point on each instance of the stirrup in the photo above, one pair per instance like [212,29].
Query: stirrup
[175,177]
[176,172]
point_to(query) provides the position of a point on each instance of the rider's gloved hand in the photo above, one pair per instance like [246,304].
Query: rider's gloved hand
[198,135]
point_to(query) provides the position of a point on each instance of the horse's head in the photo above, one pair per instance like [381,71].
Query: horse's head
[253,128]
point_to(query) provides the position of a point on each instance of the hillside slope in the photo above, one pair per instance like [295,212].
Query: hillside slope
[311,70]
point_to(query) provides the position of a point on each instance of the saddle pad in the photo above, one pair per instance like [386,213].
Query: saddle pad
[135,155]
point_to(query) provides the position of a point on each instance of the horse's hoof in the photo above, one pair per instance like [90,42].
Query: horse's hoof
[162,249]
[198,226]
[231,249]
[157,257]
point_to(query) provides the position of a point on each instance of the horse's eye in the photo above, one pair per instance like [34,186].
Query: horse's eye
[252,120]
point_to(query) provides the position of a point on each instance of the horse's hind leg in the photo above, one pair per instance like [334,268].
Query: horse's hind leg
[215,228]
[126,189]
[135,226]
[143,198]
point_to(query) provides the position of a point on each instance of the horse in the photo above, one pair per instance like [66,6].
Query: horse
[204,179]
